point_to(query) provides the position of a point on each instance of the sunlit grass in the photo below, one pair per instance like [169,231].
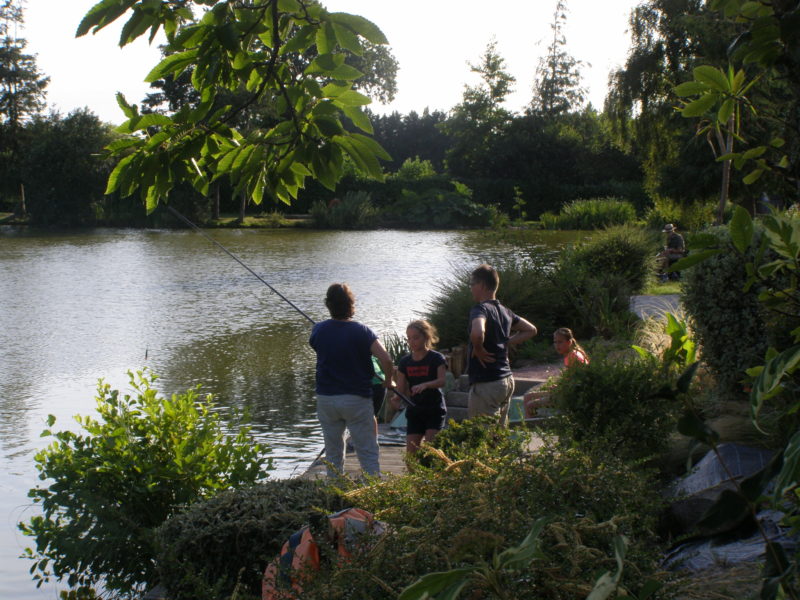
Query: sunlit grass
[655,287]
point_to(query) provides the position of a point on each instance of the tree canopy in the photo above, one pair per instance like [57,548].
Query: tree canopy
[254,47]
[22,86]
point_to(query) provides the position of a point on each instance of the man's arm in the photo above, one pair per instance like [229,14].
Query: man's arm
[383,357]
[477,334]
[523,330]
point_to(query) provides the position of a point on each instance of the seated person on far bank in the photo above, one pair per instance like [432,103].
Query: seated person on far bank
[567,346]
[673,251]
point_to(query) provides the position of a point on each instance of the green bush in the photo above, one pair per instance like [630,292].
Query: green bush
[598,276]
[608,404]
[436,208]
[594,213]
[480,438]
[687,217]
[626,251]
[110,487]
[728,322]
[456,513]
[228,540]
[415,168]
[354,211]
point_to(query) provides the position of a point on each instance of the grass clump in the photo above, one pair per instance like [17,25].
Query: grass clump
[594,213]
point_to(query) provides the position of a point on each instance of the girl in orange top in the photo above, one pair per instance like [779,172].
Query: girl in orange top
[567,346]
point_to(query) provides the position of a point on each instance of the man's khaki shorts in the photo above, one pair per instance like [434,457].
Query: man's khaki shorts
[491,398]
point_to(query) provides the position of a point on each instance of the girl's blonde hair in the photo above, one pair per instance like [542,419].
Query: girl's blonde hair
[427,330]
[566,333]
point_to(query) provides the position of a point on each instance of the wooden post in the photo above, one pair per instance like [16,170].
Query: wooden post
[23,210]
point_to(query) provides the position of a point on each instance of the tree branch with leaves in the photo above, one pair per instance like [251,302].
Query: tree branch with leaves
[251,46]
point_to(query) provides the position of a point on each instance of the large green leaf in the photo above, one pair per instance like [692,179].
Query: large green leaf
[712,77]
[690,88]
[101,14]
[519,557]
[441,585]
[358,117]
[173,64]
[699,107]
[361,26]
[767,384]
[693,259]
[352,98]
[696,428]
[607,584]
[741,229]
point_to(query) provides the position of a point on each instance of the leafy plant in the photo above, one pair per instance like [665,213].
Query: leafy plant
[489,576]
[682,350]
[771,262]
[730,325]
[396,345]
[110,486]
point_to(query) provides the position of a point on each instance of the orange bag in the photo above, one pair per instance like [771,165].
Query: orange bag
[300,557]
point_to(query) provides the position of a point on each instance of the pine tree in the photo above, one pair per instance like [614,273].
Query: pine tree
[22,86]
[557,88]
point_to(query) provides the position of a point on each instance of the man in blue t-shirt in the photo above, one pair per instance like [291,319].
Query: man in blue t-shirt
[493,329]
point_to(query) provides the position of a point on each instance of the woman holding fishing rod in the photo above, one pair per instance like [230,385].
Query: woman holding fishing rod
[344,350]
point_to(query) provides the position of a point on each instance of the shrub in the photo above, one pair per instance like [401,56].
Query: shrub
[599,275]
[460,513]
[354,211]
[228,540]
[594,213]
[608,404]
[111,486]
[729,323]
[436,208]
[415,168]
[687,217]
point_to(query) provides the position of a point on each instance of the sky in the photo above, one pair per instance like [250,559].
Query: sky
[433,41]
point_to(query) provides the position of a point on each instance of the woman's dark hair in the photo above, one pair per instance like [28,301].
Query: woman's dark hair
[340,301]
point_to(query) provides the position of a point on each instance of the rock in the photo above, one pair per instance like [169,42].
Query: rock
[696,492]
[726,550]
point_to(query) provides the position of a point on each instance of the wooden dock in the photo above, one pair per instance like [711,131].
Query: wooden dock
[391,460]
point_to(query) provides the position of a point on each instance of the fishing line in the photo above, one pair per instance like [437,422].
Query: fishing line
[239,260]
[262,280]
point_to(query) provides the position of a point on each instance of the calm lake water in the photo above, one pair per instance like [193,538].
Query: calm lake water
[79,306]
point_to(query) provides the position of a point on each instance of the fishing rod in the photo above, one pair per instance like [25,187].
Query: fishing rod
[180,217]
